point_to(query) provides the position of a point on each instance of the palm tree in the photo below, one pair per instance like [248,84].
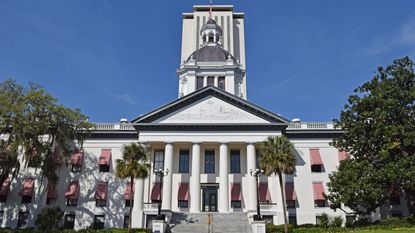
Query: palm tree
[277,157]
[134,164]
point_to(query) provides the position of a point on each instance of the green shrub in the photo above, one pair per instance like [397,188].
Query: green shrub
[336,221]
[48,220]
[324,221]
[271,228]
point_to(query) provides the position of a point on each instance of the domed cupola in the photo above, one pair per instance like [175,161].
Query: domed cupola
[211,32]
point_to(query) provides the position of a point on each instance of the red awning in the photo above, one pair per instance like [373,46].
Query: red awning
[128,195]
[56,156]
[5,188]
[318,191]
[104,159]
[101,191]
[342,155]
[27,187]
[264,192]
[155,192]
[72,191]
[290,193]
[77,157]
[315,157]
[183,194]
[236,194]
[51,191]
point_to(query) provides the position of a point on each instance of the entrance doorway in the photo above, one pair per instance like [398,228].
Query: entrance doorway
[210,199]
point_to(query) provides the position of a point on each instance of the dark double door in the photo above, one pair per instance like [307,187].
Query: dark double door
[210,199]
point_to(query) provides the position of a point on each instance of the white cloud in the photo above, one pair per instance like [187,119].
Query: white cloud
[127,98]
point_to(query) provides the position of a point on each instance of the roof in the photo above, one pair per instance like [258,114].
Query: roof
[211,53]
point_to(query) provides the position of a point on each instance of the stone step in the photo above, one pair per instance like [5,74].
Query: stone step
[221,223]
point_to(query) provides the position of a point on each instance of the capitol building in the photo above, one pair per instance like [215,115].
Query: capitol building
[208,142]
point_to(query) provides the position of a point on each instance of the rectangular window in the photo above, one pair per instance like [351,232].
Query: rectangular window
[209,161]
[126,220]
[199,82]
[100,202]
[3,198]
[292,219]
[129,202]
[320,203]
[23,219]
[317,168]
[183,204]
[71,201]
[158,160]
[104,168]
[210,81]
[184,161]
[69,221]
[236,204]
[99,221]
[235,161]
[50,200]
[1,218]
[26,199]
[76,168]
[268,219]
[395,200]
[290,203]
[221,83]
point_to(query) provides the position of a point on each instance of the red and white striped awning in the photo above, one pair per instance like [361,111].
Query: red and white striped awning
[315,157]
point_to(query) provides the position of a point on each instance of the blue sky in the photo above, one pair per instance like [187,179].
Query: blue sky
[118,59]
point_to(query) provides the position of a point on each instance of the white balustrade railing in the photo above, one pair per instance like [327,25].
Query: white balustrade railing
[311,125]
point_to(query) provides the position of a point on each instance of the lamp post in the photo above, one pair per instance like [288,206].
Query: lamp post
[257,173]
[161,173]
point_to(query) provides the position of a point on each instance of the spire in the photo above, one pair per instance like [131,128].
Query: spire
[210,9]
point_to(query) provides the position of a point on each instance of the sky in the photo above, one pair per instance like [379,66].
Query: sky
[115,59]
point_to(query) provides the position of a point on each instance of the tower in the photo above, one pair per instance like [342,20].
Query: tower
[213,50]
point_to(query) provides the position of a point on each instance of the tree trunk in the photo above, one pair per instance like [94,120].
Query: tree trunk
[284,207]
[131,203]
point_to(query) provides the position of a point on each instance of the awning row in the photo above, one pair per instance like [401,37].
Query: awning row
[315,157]
[77,157]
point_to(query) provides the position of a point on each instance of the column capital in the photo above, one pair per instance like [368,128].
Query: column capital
[224,143]
[196,142]
[168,142]
[251,143]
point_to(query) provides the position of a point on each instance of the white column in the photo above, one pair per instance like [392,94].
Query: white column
[167,181]
[216,81]
[195,179]
[223,178]
[137,220]
[251,164]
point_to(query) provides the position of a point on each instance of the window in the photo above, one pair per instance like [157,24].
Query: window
[69,221]
[184,161]
[268,219]
[210,81]
[126,221]
[320,203]
[199,82]
[72,201]
[158,160]
[183,204]
[99,221]
[209,161]
[3,198]
[76,168]
[100,202]
[23,219]
[49,200]
[236,204]
[26,199]
[221,83]
[394,200]
[129,202]
[1,218]
[292,219]
[210,37]
[104,168]
[290,203]
[317,168]
[235,161]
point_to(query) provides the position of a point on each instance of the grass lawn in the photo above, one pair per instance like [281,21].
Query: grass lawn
[389,231]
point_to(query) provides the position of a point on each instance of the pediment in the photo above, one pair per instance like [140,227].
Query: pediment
[211,110]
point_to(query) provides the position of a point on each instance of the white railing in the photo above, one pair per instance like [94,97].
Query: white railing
[150,206]
[112,126]
[311,125]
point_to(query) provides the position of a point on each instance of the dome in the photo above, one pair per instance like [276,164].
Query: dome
[211,53]
[211,24]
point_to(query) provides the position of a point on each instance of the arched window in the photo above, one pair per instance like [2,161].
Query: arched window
[210,81]
[210,37]
[221,83]
[199,82]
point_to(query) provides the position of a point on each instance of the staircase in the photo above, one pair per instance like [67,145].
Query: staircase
[221,222]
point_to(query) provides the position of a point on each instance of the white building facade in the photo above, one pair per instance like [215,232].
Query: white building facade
[208,139]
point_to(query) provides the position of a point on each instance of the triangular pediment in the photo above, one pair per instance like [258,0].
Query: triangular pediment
[211,110]
[210,105]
